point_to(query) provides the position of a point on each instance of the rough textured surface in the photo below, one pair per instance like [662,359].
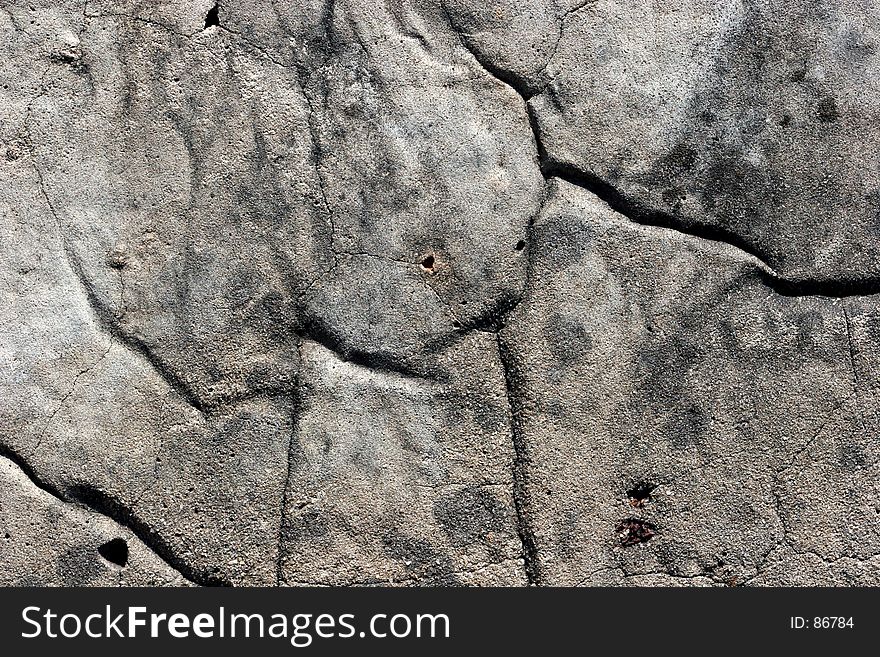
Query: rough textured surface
[456,292]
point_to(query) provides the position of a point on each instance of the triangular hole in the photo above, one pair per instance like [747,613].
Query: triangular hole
[115,551]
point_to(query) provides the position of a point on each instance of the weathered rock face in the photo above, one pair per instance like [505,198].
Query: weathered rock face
[438,292]
[665,394]
[754,121]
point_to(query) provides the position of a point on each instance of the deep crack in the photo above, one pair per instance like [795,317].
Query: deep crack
[638,213]
[94,500]
[521,463]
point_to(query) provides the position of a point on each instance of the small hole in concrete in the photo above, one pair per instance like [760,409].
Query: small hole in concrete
[633,531]
[640,494]
[520,245]
[6,535]
[115,551]
[213,17]
[428,262]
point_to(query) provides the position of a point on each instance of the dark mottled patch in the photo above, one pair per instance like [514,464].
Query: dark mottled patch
[422,561]
[681,158]
[674,197]
[327,444]
[826,111]
[78,565]
[671,172]
[311,524]
[567,339]
[563,241]
[274,315]
[851,456]
[470,407]
[469,515]
[663,396]
[491,418]
[564,546]
[809,324]
[872,326]
[687,427]
[735,188]
[675,555]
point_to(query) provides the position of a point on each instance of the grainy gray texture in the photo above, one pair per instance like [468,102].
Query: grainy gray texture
[458,292]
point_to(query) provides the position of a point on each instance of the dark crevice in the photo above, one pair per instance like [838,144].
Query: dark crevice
[495,317]
[213,17]
[639,213]
[97,501]
[281,552]
[107,321]
[516,82]
[838,289]
[645,216]
[640,494]
[521,467]
[206,405]
[107,505]
[317,331]
[115,551]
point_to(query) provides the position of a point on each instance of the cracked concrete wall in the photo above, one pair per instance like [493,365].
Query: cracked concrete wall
[458,292]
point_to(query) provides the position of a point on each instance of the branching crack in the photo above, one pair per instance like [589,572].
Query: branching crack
[639,213]
[67,396]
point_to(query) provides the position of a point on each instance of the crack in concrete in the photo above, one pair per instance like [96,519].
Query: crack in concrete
[103,318]
[67,396]
[145,21]
[521,463]
[549,168]
[638,213]
[295,414]
[101,503]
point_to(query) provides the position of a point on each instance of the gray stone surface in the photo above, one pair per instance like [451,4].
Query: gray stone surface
[47,542]
[668,365]
[465,292]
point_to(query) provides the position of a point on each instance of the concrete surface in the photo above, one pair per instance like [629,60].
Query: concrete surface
[439,292]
